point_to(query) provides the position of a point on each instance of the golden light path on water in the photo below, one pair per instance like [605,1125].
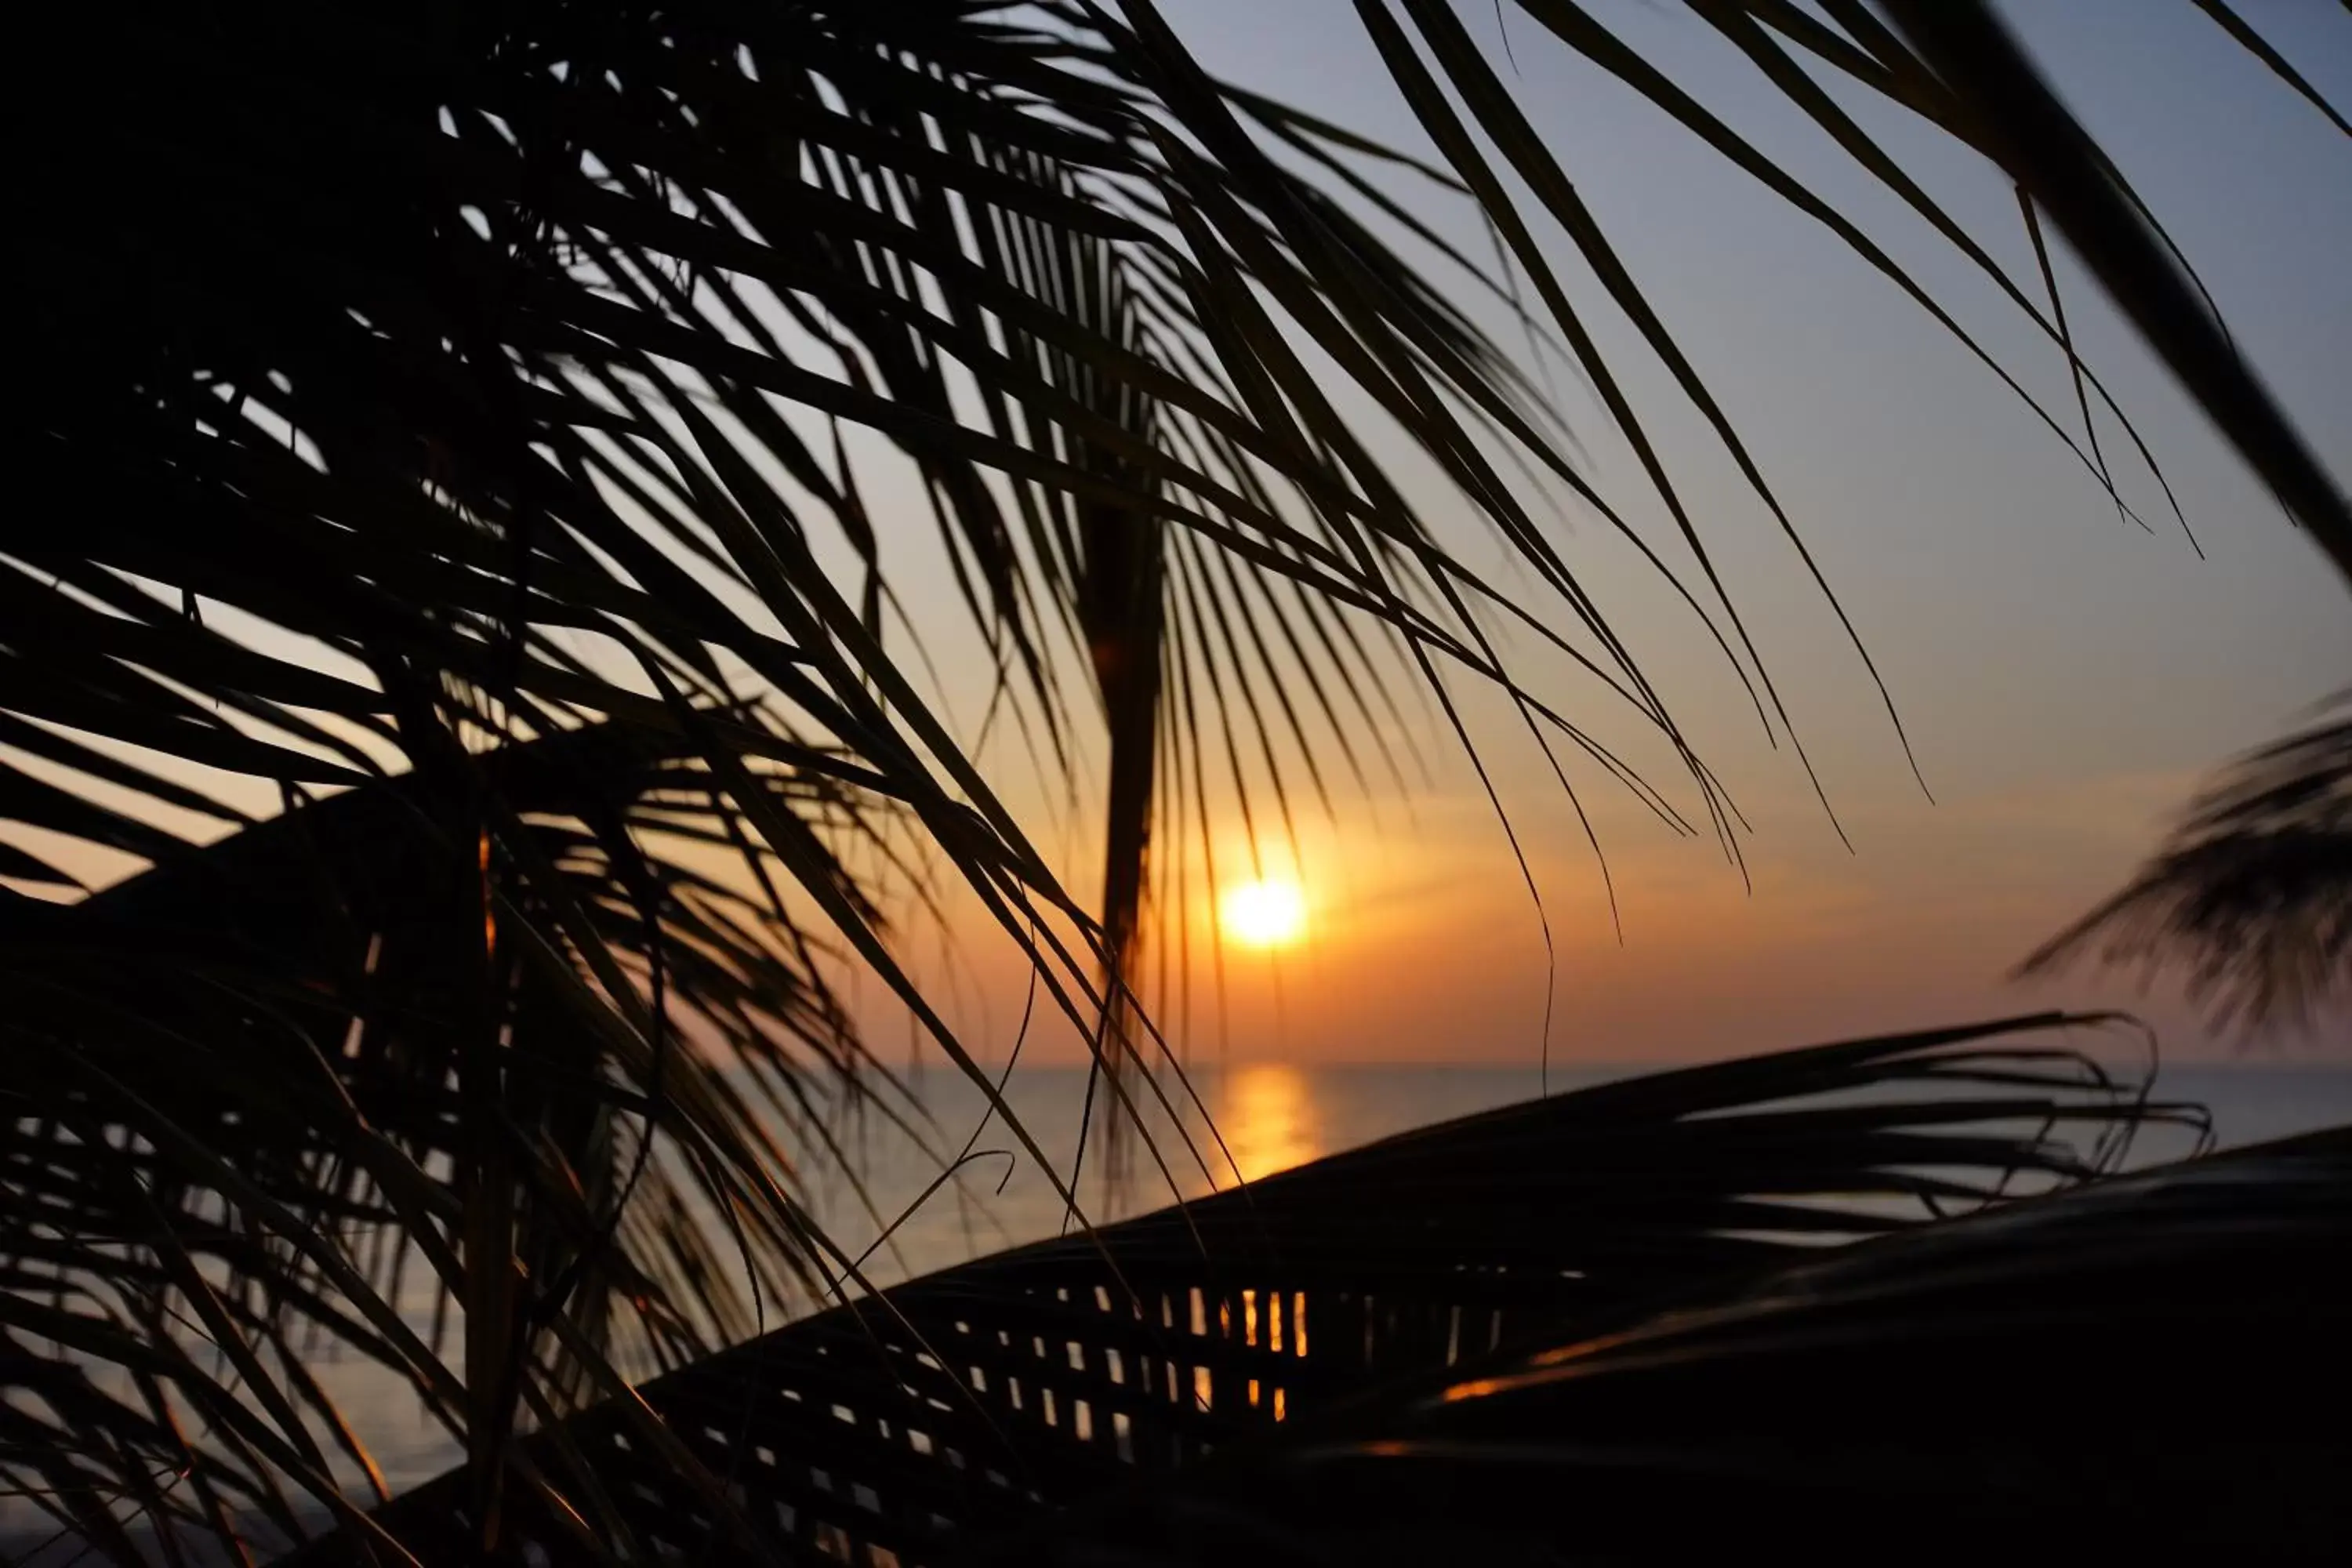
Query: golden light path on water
[1267,1114]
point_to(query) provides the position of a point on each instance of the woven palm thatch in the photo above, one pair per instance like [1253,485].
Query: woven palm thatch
[963,1408]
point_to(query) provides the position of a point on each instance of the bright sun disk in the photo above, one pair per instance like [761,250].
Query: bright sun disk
[1263,914]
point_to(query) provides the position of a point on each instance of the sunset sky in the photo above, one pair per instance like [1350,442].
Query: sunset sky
[2064,677]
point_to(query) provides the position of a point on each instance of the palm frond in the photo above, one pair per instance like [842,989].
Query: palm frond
[427,385]
[2251,891]
[1954,67]
[510,391]
[2028,132]
[2091,1373]
[427,388]
[959,1411]
[238,1114]
[2255,44]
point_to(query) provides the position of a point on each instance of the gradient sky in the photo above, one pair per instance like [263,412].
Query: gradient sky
[2065,678]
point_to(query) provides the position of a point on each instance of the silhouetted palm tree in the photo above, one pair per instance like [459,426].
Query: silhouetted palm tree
[2253,891]
[448,568]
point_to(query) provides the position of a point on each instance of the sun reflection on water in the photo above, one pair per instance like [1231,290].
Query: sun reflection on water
[1267,1114]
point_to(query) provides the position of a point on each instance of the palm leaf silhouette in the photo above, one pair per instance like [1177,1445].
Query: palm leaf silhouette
[266,1038]
[492,404]
[1956,66]
[1895,1395]
[954,1414]
[2252,890]
[424,389]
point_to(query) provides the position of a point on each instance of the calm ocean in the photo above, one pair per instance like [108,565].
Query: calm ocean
[1270,1116]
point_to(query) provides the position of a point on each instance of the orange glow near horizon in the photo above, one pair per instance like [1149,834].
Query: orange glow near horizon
[1270,914]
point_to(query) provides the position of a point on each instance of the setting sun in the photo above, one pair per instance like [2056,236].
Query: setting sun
[1264,914]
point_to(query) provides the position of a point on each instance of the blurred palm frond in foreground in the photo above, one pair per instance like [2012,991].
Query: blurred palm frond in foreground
[2251,891]
[995,1407]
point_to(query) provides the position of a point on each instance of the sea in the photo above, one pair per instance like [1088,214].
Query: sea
[875,1188]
